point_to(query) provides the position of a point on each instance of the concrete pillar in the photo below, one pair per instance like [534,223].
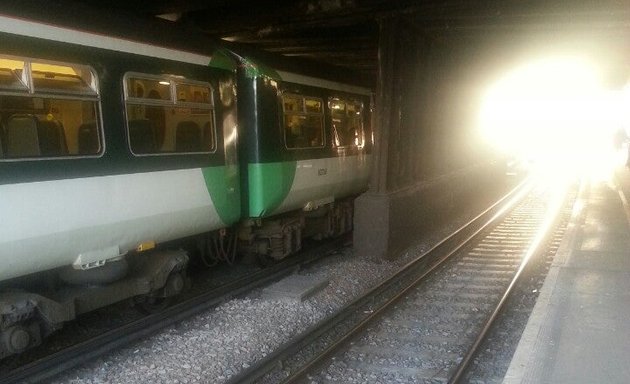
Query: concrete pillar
[371,220]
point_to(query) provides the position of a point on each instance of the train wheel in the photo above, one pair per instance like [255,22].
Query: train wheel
[19,337]
[162,298]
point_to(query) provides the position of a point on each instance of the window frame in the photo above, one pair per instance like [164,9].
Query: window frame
[347,101]
[21,87]
[93,84]
[303,112]
[173,80]
[29,90]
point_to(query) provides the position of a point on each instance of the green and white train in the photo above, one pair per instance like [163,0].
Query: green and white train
[115,155]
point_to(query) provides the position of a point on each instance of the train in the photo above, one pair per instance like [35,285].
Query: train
[116,155]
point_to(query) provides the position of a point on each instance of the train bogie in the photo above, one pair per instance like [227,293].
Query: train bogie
[149,278]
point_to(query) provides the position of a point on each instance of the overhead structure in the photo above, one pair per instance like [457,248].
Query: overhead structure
[345,32]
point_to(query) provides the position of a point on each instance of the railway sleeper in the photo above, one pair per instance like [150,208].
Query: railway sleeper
[28,317]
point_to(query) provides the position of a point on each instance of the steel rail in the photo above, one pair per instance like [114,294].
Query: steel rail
[85,351]
[538,245]
[258,370]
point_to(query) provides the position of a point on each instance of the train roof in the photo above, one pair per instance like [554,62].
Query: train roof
[75,23]
[72,21]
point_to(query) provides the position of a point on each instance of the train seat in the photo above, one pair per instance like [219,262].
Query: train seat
[88,139]
[22,136]
[142,136]
[52,138]
[188,137]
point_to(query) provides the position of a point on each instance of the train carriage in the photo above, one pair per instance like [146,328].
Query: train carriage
[107,148]
[305,154]
[115,155]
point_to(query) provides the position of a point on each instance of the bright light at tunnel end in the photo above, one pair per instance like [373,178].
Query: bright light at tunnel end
[555,114]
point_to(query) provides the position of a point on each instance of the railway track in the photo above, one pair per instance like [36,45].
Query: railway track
[495,354]
[425,323]
[74,355]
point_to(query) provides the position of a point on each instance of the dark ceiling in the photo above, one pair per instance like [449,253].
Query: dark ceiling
[346,32]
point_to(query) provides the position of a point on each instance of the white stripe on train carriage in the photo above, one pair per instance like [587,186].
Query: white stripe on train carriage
[59,249]
[322,83]
[48,224]
[45,207]
[326,179]
[55,33]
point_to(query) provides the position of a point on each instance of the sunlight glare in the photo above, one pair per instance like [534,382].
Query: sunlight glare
[553,113]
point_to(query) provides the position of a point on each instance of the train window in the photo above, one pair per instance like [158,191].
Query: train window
[313,105]
[292,103]
[155,89]
[62,78]
[11,74]
[347,122]
[303,122]
[48,110]
[193,93]
[168,114]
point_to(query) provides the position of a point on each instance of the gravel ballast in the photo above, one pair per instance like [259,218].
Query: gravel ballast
[214,346]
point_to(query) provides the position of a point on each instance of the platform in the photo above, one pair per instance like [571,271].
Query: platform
[579,330]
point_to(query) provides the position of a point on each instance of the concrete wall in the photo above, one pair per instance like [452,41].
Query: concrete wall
[386,224]
[429,157]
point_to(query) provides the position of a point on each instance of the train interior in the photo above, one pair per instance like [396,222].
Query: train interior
[304,122]
[47,110]
[167,116]
[53,110]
